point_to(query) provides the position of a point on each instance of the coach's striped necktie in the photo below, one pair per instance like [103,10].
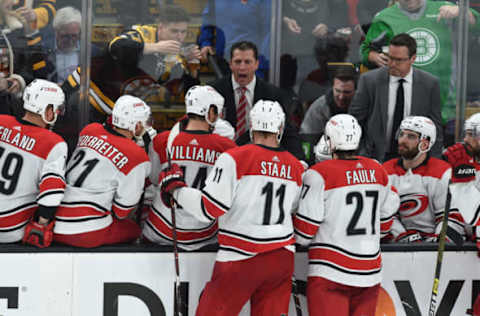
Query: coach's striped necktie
[241,113]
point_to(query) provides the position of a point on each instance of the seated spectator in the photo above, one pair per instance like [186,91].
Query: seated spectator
[421,181]
[328,49]
[243,89]
[105,180]
[203,104]
[66,54]
[225,22]
[335,101]
[136,63]
[33,164]
[386,95]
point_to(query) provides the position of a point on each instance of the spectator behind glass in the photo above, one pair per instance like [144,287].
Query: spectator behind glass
[37,13]
[329,49]
[335,101]
[431,23]
[135,63]
[225,22]
[21,58]
[65,57]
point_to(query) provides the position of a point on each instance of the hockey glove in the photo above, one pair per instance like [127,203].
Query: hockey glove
[410,236]
[169,180]
[463,167]
[38,235]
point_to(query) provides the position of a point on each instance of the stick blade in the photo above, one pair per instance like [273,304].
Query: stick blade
[171,137]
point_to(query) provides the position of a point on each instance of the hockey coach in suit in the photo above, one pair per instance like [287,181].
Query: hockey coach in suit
[243,89]
[388,94]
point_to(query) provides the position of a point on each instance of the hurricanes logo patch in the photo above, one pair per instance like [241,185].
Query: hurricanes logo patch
[428,46]
[413,204]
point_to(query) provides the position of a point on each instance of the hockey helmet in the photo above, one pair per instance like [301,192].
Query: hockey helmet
[423,126]
[128,111]
[199,99]
[322,150]
[40,94]
[472,124]
[343,132]
[267,116]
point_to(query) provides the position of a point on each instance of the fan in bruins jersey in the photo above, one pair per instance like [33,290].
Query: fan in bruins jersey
[137,61]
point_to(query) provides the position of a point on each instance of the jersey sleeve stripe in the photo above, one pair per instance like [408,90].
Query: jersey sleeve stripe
[49,193]
[211,198]
[163,228]
[51,174]
[307,229]
[204,211]
[51,183]
[121,212]
[211,209]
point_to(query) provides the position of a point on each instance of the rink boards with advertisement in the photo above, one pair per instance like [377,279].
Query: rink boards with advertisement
[121,281]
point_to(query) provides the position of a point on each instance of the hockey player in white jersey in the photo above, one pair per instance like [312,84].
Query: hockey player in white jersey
[347,203]
[421,181]
[32,160]
[252,190]
[195,150]
[105,180]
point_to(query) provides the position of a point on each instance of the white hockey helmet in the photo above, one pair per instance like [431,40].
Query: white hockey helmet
[472,124]
[423,126]
[128,111]
[322,150]
[267,116]
[199,99]
[39,94]
[343,132]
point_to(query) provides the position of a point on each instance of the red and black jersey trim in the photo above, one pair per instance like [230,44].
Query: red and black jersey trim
[182,242]
[333,266]
[256,239]
[205,212]
[11,229]
[23,206]
[230,249]
[47,193]
[51,174]
[343,260]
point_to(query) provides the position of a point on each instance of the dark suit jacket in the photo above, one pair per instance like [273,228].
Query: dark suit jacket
[370,107]
[262,91]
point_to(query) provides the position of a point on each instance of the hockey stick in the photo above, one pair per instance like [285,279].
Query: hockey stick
[178,300]
[296,298]
[441,248]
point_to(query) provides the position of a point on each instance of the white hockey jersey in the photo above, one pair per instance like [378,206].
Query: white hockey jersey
[253,191]
[346,205]
[195,152]
[32,163]
[105,178]
[423,192]
[466,201]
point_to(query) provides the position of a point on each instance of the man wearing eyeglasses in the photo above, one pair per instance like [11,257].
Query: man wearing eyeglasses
[432,24]
[66,53]
[387,95]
